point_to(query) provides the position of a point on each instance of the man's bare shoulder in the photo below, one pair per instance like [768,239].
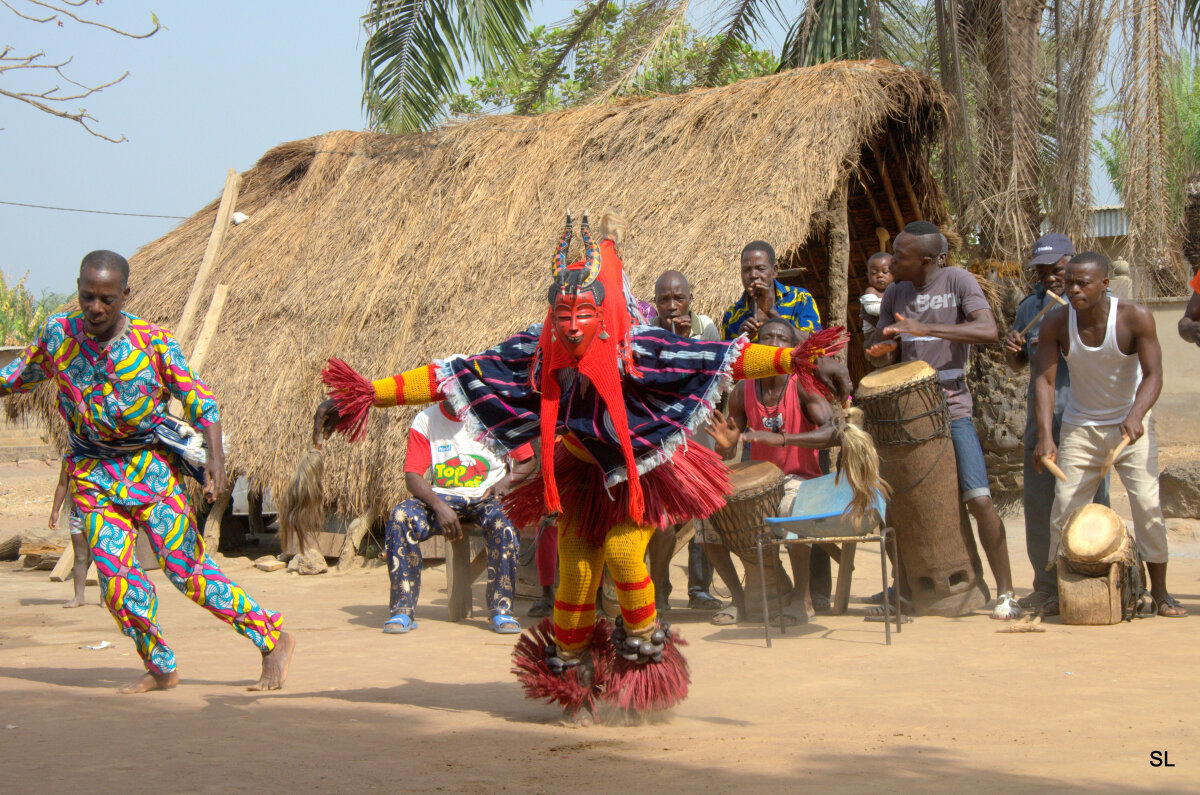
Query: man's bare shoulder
[1137,316]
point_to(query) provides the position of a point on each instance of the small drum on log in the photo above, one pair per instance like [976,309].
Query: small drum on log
[1096,559]
[757,491]
[904,410]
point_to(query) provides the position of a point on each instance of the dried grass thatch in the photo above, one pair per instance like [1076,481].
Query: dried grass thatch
[389,251]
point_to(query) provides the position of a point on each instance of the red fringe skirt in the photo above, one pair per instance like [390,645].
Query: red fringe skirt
[691,485]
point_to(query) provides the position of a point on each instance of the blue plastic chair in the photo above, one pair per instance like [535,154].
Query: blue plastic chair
[818,517]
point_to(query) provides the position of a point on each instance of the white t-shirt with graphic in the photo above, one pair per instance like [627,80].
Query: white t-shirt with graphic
[456,463]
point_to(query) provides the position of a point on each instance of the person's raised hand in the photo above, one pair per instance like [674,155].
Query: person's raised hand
[325,419]
[904,325]
[723,430]
[1014,341]
[834,375]
[881,349]
[448,520]
[681,325]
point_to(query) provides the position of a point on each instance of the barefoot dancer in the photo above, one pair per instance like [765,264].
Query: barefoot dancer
[83,555]
[115,374]
[626,398]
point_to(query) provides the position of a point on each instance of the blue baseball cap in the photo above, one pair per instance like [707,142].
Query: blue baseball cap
[1050,248]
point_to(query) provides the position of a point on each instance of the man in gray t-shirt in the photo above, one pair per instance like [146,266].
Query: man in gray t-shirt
[934,313]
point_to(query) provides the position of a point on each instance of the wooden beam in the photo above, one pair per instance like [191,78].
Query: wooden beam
[890,191]
[207,332]
[871,201]
[905,179]
[211,253]
[837,241]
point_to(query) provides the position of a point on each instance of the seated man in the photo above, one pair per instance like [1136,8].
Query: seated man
[765,298]
[673,304]
[786,426]
[466,483]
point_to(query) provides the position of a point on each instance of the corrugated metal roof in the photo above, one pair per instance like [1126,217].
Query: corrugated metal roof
[1108,221]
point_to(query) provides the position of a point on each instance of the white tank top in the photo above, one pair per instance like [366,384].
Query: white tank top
[1103,379]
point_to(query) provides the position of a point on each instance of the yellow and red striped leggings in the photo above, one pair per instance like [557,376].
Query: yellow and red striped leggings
[580,567]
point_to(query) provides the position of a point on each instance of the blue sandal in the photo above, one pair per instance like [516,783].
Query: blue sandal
[399,624]
[504,624]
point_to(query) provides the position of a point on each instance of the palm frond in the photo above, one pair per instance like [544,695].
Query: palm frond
[740,27]
[579,29]
[662,16]
[416,51]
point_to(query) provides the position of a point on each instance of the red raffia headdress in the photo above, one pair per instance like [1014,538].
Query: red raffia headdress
[600,362]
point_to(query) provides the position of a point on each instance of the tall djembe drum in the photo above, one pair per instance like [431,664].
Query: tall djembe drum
[904,410]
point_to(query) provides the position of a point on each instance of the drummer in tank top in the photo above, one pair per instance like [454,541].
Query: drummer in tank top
[786,426]
[934,313]
[1112,351]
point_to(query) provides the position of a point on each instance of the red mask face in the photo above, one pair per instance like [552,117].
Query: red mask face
[576,322]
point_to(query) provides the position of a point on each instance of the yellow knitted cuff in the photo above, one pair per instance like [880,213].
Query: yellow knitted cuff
[761,361]
[415,386]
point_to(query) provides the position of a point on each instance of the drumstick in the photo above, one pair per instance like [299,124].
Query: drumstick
[1052,467]
[1112,457]
[1045,309]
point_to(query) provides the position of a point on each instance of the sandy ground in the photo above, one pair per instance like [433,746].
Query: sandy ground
[951,705]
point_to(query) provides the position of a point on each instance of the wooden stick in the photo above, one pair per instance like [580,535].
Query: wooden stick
[889,190]
[1045,309]
[871,201]
[207,332]
[904,178]
[228,199]
[1052,468]
[62,569]
[1112,457]
[883,236]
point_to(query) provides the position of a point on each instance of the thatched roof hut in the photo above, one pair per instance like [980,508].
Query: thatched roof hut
[389,251]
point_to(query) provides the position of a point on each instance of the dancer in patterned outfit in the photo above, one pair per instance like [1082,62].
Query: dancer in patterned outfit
[115,374]
[625,399]
[466,483]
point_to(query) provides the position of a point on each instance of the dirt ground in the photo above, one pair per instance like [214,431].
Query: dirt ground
[950,705]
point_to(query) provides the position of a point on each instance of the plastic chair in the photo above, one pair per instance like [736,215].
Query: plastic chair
[818,517]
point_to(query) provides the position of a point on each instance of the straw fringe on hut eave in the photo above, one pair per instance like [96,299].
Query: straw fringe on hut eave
[390,251]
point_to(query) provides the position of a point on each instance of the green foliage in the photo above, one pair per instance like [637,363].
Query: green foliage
[22,315]
[607,47]
[832,30]
[1182,81]
[417,50]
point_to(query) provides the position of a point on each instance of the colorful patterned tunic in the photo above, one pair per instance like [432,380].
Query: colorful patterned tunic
[794,304]
[120,392]
[107,393]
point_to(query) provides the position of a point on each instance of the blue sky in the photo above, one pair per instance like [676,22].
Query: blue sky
[225,82]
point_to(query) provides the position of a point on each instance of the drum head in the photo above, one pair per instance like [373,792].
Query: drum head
[1092,533]
[893,376]
[749,475]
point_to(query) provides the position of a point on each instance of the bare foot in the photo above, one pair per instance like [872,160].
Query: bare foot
[76,602]
[148,681]
[275,664]
[581,719]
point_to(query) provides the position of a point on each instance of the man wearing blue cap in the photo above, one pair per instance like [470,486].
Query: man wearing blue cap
[1049,260]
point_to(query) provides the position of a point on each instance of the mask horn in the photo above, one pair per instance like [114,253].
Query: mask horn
[591,253]
[561,257]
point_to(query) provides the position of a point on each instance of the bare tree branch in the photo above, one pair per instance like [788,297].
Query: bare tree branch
[49,100]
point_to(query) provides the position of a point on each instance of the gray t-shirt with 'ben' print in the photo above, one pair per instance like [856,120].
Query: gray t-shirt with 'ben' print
[947,299]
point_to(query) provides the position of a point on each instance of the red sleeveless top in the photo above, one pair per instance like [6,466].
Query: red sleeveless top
[787,417]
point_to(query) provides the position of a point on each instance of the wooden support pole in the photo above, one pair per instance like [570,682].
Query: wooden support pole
[254,512]
[890,191]
[905,179]
[874,204]
[211,253]
[207,332]
[837,237]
